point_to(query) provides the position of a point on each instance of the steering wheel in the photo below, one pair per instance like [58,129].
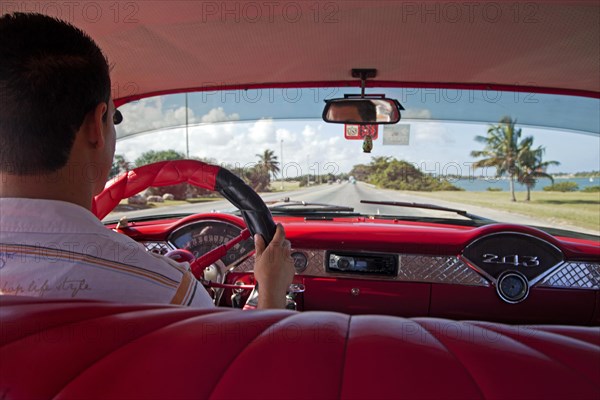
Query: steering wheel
[211,177]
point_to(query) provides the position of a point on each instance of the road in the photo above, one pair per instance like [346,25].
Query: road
[347,194]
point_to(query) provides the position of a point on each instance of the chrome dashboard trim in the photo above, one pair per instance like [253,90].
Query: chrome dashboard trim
[411,268]
[574,275]
[478,270]
[438,269]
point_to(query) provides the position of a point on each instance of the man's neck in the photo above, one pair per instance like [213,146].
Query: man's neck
[54,186]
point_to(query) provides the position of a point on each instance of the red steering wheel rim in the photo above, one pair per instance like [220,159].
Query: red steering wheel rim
[163,173]
[211,177]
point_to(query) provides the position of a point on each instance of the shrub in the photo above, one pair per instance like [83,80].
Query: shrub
[395,174]
[180,192]
[137,199]
[155,199]
[591,189]
[562,187]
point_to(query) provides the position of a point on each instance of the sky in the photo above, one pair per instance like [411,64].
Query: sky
[232,127]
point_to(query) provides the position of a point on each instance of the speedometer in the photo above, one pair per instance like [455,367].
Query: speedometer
[203,236]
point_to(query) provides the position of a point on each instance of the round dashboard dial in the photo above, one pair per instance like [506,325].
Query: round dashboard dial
[300,261]
[203,236]
[512,287]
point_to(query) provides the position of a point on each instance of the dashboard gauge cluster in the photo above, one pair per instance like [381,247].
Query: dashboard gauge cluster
[202,236]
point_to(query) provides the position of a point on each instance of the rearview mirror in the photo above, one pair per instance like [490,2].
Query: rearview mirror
[362,111]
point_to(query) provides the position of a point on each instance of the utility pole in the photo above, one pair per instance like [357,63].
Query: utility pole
[308,170]
[281,164]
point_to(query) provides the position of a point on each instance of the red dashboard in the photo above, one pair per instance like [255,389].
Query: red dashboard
[500,272]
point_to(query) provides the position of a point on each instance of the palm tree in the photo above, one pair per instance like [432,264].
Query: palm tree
[258,178]
[531,167]
[268,162]
[501,150]
[119,166]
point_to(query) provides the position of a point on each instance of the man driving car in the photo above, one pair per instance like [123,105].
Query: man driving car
[57,142]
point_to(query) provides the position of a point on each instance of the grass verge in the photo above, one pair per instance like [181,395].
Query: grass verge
[171,202]
[575,208]
[275,186]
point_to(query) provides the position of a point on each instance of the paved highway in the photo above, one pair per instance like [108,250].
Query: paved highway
[347,194]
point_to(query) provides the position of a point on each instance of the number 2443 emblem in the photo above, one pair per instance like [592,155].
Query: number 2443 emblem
[512,259]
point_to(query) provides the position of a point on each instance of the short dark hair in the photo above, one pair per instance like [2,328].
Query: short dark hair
[366,110]
[52,75]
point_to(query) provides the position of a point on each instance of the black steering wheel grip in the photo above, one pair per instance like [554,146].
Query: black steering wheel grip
[254,211]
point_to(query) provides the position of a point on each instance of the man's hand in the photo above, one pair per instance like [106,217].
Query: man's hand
[273,269]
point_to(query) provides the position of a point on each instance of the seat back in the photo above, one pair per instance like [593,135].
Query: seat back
[88,349]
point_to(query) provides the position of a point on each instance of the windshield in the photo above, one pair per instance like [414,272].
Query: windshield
[456,156]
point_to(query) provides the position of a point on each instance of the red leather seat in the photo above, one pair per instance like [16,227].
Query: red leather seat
[86,349]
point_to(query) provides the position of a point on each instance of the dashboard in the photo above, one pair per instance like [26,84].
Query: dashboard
[504,273]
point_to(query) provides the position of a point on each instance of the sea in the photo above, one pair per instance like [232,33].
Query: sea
[482,184]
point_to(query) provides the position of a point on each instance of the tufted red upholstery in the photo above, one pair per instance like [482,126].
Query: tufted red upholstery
[85,349]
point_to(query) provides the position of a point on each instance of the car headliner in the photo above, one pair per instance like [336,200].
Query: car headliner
[158,47]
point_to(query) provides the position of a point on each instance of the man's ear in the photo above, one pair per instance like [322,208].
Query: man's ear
[95,127]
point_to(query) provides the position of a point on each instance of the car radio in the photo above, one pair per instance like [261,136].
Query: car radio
[361,263]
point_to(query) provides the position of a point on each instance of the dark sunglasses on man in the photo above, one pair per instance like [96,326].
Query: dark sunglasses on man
[117,117]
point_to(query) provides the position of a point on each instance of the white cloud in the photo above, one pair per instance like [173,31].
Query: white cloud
[262,131]
[308,132]
[431,134]
[416,113]
[149,117]
[286,135]
[218,115]
[150,114]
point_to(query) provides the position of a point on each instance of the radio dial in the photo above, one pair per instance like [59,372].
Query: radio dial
[343,264]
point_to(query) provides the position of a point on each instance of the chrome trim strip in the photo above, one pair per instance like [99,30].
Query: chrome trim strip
[474,267]
[583,275]
[412,268]
[549,271]
[438,269]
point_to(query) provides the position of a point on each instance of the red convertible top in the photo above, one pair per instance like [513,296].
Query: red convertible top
[169,46]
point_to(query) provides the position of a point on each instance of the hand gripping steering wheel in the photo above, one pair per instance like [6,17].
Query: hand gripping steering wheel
[211,177]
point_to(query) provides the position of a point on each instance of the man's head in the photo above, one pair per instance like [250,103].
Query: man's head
[54,88]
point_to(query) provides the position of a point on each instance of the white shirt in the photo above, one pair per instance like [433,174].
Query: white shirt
[55,249]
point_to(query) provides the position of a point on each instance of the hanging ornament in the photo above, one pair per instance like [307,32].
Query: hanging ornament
[367,144]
